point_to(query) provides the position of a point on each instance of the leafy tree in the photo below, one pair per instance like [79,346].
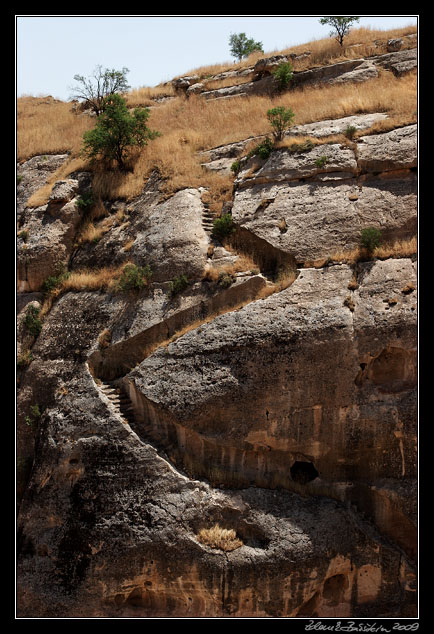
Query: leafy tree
[241,46]
[101,84]
[116,131]
[280,119]
[340,24]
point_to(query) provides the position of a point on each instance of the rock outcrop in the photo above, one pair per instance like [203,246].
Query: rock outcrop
[327,195]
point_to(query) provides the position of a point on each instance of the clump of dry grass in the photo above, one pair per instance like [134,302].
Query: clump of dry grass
[147,96]
[104,279]
[397,249]
[221,538]
[91,232]
[243,263]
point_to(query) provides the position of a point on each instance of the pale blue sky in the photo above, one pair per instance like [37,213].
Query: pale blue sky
[50,50]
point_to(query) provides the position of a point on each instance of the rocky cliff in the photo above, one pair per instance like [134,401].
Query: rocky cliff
[274,396]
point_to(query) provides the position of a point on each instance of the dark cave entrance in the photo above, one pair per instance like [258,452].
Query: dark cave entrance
[303,472]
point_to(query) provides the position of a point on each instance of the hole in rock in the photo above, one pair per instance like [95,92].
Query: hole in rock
[334,588]
[303,472]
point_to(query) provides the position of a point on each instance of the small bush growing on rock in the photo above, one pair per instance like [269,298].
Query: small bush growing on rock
[217,537]
[283,75]
[85,202]
[350,131]
[54,281]
[370,239]
[225,279]
[178,285]
[31,320]
[235,167]
[321,161]
[280,119]
[263,149]
[223,226]
[134,277]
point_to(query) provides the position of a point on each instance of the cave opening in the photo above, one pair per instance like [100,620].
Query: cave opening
[303,472]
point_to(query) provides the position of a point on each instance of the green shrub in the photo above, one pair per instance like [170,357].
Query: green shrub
[263,149]
[223,226]
[280,119]
[320,162]
[134,277]
[24,235]
[85,202]
[31,321]
[350,131]
[178,284]
[53,281]
[283,75]
[370,239]
[225,279]
[235,167]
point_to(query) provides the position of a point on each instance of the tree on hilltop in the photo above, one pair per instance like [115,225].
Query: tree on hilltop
[116,131]
[101,84]
[340,24]
[241,46]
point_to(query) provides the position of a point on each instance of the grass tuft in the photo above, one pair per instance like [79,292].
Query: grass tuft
[220,538]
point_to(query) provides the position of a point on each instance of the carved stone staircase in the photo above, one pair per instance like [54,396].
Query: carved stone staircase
[122,403]
[207,220]
[119,399]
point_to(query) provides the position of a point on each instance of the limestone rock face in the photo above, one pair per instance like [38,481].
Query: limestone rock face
[33,174]
[172,238]
[256,391]
[282,408]
[329,194]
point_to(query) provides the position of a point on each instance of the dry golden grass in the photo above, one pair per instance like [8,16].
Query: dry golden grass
[243,264]
[188,126]
[221,538]
[91,232]
[146,96]
[360,42]
[397,249]
[47,126]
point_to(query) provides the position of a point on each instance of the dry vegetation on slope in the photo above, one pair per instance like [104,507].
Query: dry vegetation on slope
[187,126]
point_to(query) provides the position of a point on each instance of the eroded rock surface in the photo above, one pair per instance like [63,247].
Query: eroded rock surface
[289,416]
[327,195]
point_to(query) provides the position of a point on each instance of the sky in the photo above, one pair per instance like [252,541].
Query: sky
[50,50]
